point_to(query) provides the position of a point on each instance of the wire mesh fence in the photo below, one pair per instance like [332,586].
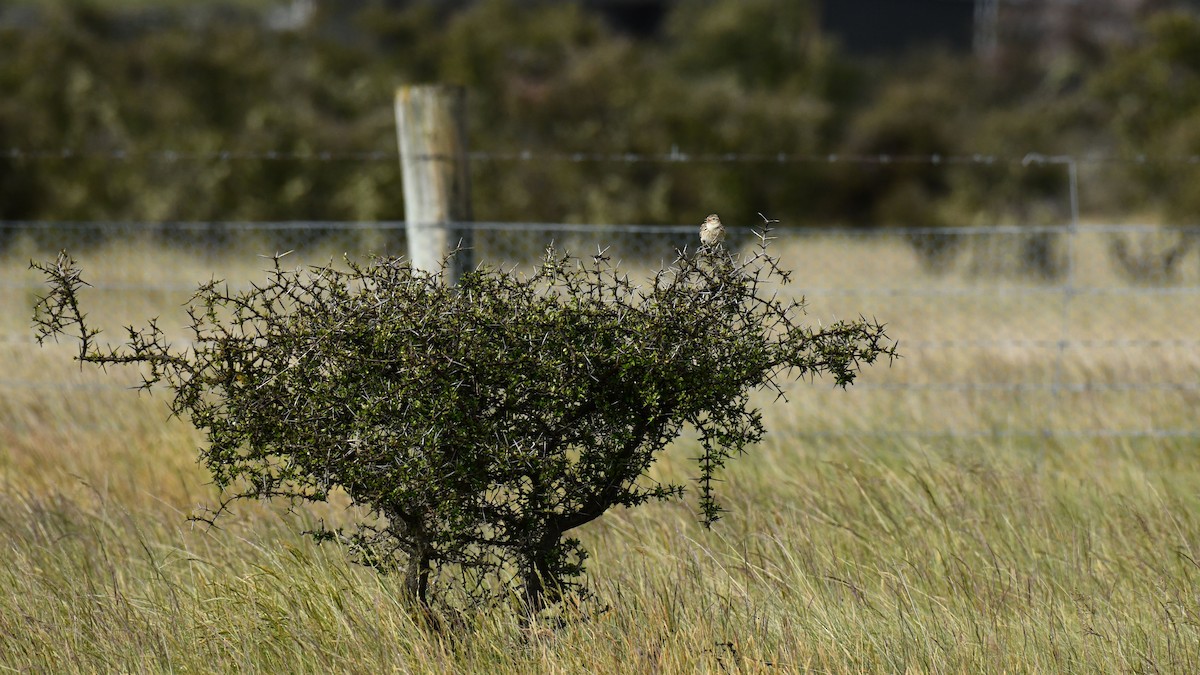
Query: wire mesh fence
[1005,331]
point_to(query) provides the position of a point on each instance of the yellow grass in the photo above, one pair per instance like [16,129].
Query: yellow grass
[840,553]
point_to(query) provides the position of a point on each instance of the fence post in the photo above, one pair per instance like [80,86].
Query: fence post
[432,132]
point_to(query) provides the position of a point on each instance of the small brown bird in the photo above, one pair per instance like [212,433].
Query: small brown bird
[712,232]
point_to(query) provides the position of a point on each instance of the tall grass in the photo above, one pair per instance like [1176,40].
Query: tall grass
[839,553]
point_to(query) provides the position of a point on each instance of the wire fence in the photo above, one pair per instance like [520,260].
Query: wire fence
[674,155]
[1009,332]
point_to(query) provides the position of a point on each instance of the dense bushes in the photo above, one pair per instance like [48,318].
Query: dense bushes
[721,77]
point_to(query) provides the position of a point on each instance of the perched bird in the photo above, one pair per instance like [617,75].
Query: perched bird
[712,232]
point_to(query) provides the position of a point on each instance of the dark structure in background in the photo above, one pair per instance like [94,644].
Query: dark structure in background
[880,27]
[640,18]
[991,29]
[994,30]
[866,27]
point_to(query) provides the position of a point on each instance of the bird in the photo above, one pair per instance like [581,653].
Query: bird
[712,232]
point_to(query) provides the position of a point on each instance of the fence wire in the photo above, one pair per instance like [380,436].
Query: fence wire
[674,155]
[1007,332]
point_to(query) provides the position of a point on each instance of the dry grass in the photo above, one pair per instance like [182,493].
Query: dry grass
[840,553]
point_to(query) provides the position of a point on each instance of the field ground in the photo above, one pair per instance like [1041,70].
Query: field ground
[849,546]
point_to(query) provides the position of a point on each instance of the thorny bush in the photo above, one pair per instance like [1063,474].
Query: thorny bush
[478,424]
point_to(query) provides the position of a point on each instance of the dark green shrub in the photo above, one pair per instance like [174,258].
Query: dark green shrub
[479,424]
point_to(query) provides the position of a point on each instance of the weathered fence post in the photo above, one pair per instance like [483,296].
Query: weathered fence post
[431,126]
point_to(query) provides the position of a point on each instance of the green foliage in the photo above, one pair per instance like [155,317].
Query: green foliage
[547,77]
[98,82]
[763,43]
[1151,91]
[1154,85]
[477,425]
[553,78]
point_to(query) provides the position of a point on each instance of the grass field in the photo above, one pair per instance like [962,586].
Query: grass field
[840,553]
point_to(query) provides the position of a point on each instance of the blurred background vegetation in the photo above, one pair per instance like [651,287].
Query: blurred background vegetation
[119,82]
